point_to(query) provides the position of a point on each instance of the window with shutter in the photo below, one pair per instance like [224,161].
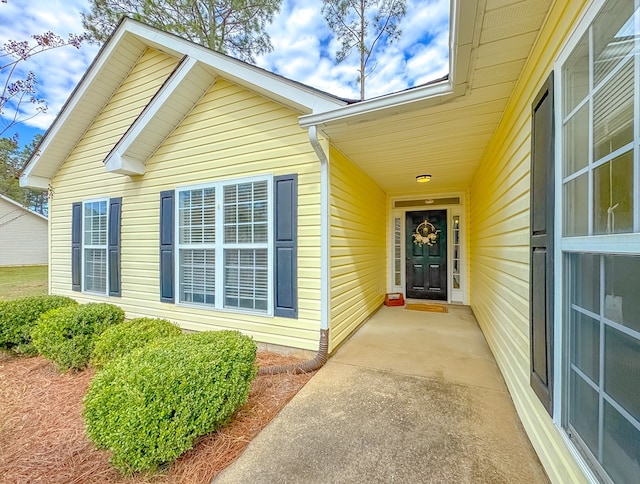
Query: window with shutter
[95,246]
[226,249]
[235,245]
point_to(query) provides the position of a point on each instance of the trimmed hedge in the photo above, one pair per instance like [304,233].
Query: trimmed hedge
[121,339]
[150,406]
[20,316]
[67,335]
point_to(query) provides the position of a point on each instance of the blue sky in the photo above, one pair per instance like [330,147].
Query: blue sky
[304,50]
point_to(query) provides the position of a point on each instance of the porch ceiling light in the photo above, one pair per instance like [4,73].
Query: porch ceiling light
[423,178]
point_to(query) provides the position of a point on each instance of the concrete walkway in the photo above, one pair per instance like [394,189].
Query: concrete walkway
[412,397]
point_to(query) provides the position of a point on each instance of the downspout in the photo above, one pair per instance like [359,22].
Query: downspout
[323,347]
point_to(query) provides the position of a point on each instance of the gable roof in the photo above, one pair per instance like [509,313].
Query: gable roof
[442,128]
[21,208]
[115,60]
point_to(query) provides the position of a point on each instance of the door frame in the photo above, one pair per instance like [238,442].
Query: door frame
[453,210]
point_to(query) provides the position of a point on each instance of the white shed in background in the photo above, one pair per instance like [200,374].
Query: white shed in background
[23,235]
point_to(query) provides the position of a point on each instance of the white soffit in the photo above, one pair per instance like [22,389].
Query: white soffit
[443,133]
[182,90]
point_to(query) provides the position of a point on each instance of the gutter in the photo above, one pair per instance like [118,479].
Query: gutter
[399,100]
[325,223]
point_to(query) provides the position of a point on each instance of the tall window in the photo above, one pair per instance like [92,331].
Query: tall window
[599,181]
[95,246]
[223,241]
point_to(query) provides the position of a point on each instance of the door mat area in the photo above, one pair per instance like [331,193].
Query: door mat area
[434,308]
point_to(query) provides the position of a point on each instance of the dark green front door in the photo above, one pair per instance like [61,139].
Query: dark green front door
[426,250]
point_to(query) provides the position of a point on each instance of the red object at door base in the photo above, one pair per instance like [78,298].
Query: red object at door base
[394,299]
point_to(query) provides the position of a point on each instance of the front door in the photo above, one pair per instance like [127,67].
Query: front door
[426,244]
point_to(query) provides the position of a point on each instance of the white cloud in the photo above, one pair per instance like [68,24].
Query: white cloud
[57,70]
[304,49]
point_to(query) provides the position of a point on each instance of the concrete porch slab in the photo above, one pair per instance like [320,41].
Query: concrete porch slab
[412,397]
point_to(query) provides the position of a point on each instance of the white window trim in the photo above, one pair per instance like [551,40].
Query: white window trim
[220,246]
[627,243]
[83,246]
[452,210]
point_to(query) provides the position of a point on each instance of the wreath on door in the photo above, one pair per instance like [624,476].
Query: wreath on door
[425,234]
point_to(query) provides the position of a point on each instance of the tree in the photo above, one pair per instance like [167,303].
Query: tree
[361,25]
[17,87]
[235,27]
[12,160]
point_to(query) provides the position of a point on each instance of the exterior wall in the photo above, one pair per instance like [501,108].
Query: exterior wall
[23,236]
[499,239]
[358,247]
[230,133]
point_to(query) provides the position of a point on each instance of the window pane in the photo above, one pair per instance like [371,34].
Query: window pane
[95,223]
[246,279]
[613,113]
[576,206]
[585,344]
[622,290]
[576,132]
[621,447]
[245,213]
[397,252]
[197,216]
[613,196]
[585,278]
[197,276]
[575,74]
[583,411]
[622,370]
[613,36]
[95,270]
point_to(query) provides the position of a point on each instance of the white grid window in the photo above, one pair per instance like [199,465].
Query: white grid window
[223,248]
[600,244]
[94,246]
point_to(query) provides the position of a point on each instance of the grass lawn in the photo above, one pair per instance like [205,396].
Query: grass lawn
[22,281]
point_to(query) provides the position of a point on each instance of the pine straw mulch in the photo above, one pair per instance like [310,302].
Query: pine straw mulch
[42,436]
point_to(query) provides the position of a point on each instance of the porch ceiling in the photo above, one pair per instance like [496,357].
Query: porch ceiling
[447,136]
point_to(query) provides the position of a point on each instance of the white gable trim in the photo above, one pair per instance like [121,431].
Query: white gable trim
[186,85]
[302,98]
[110,67]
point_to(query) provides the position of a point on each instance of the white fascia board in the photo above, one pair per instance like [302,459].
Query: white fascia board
[370,106]
[293,94]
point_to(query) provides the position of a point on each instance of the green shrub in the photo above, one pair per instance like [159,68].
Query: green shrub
[19,317]
[67,335]
[150,406]
[123,338]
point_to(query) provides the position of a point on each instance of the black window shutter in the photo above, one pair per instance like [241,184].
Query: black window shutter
[167,293]
[76,246]
[542,220]
[286,246]
[115,206]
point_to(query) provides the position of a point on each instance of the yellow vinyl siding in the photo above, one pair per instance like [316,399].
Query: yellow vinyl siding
[499,246]
[231,133]
[358,247]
